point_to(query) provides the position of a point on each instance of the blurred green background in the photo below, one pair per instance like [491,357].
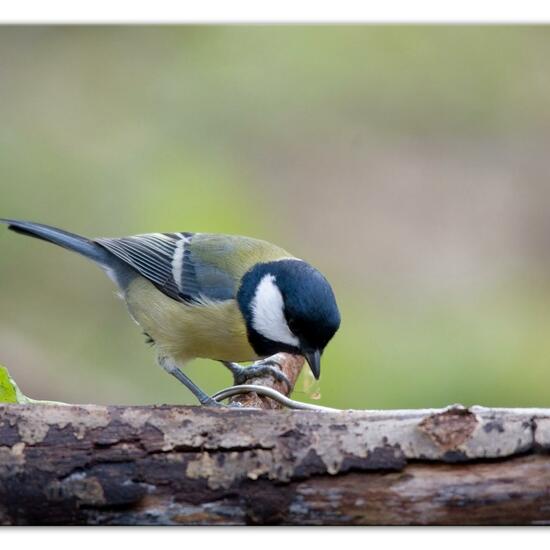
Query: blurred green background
[409,163]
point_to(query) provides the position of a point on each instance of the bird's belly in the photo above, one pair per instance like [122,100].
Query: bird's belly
[185,331]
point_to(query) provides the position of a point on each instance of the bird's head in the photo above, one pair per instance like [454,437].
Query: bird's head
[288,307]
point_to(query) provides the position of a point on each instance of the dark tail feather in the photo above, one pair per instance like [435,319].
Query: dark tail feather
[62,238]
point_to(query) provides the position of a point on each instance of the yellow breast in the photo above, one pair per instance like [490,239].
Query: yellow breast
[214,330]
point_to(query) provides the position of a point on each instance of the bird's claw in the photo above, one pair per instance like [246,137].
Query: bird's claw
[210,402]
[266,368]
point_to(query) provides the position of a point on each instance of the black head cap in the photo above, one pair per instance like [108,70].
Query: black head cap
[289,306]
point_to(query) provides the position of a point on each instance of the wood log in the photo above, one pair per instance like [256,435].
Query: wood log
[192,465]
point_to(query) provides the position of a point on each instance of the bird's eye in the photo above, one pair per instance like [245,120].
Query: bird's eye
[292,325]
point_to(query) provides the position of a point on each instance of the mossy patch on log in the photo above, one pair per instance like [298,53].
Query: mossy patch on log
[10,392]
[8,388]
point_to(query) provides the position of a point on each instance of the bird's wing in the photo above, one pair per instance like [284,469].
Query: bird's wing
[191,267]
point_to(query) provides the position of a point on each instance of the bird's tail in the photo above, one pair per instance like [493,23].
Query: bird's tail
[70,241]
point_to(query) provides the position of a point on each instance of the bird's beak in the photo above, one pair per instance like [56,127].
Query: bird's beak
[314,360]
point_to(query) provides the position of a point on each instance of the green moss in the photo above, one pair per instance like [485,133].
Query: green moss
[8,392]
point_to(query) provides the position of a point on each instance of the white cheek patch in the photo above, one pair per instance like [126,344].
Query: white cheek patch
[267,313]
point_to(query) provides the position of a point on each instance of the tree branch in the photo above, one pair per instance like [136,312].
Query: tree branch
[290,366]
[193,465]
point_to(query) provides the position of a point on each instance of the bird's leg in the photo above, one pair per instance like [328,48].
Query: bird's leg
[267,367]
[169,366]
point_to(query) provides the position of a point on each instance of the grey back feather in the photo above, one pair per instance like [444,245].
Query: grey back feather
[167,260]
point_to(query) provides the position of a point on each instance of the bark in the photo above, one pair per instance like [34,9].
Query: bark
[192,465]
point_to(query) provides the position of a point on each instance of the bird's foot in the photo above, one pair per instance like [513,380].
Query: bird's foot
[210,402]
[241,374]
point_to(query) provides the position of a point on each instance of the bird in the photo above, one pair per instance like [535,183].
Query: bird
[229,298]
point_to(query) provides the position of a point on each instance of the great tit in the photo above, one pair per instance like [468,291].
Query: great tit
[222,297]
